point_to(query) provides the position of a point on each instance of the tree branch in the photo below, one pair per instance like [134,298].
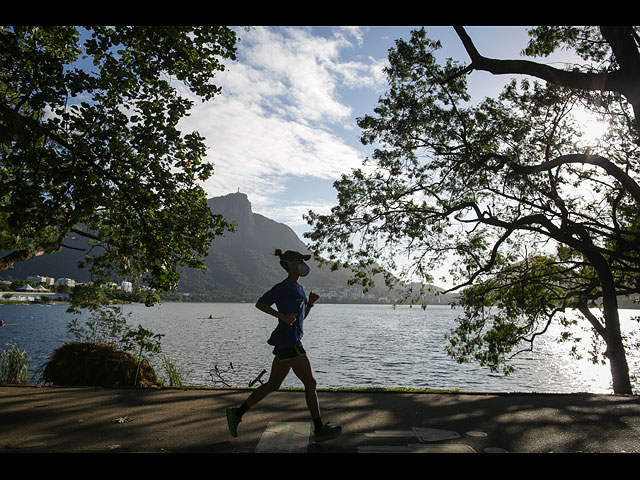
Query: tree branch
[624,81]
[8,261]
[625,180]
[592,319]
[580,80]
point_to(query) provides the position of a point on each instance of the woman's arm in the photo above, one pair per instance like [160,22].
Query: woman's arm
[313,297]
[287,318]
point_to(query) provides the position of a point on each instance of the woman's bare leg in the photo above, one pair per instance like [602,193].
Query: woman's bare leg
[302,368]
[322,432]
[279,371]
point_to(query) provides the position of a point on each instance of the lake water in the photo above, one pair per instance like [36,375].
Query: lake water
[348,345]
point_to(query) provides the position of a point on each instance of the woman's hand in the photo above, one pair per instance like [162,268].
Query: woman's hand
[313,297]
[287,318]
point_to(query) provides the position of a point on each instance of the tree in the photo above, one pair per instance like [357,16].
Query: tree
[90,146]
[534,220]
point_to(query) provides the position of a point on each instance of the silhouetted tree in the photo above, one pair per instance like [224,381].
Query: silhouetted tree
[534,219]
[89,145]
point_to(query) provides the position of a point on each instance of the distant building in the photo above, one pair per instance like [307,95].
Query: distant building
[126,286]
[69,282]
[34,296]
[40,279]
[29,288]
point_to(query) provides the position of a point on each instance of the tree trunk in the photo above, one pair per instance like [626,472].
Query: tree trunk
[612,335]
[615,348]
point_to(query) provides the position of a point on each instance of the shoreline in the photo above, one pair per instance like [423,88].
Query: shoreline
[355,390]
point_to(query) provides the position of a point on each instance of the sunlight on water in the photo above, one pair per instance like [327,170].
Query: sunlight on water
[349,346]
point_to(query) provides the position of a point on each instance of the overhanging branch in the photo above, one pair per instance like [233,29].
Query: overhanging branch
[8,261]
[612,169]
[625,80]
[584,81]
[595,323]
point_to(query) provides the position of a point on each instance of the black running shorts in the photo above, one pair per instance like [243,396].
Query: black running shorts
[289,353]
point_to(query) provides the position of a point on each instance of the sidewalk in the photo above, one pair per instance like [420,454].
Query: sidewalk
[95,419]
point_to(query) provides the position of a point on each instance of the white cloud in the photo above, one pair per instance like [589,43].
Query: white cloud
[291,214]
[277,113]
[301,64]
[251,149]
[357,74]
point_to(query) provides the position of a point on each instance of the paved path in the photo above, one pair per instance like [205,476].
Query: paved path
[88,419]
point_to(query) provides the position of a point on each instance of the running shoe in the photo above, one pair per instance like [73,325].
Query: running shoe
[327,432]
[233,420]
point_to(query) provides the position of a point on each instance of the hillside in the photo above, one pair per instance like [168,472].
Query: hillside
[240,266]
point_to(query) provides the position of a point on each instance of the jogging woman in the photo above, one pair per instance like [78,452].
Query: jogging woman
[292,308]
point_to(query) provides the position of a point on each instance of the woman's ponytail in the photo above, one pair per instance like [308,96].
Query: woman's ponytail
[283,264]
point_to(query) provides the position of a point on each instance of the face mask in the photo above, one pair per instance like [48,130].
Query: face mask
[303,270]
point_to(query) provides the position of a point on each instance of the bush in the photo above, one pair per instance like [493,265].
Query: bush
[91,364]
[105,333]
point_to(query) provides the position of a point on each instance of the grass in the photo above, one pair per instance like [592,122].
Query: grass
[389,389]
[335,389]
[13,366]
[376,389]
[173,372]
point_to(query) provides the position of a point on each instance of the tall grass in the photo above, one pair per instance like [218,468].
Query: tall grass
[13,366]
[173,372]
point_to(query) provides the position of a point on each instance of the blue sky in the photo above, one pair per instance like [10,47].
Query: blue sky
[284,127]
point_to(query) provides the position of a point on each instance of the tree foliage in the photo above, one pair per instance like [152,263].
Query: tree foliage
[90,146]
[533,218]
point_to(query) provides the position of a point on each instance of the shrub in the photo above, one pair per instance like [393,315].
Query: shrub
[90,364]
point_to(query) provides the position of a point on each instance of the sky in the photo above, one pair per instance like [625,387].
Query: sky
[284,127]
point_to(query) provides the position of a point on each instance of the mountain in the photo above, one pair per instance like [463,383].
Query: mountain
[241,265]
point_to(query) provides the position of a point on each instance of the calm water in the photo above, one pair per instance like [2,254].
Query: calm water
[349,346]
